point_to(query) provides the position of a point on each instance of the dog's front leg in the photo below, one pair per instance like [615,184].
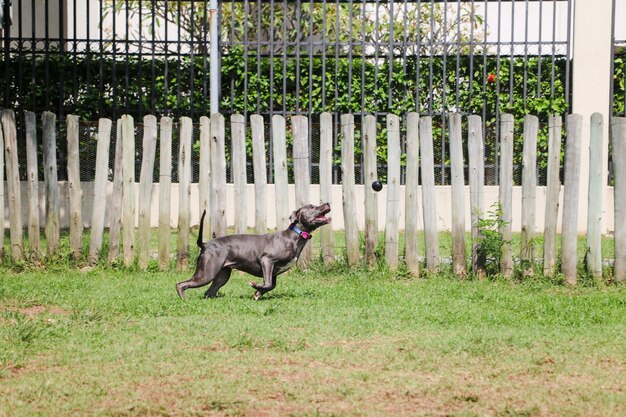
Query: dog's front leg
[269,281]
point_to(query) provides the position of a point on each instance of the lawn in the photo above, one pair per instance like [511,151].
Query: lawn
[106,342]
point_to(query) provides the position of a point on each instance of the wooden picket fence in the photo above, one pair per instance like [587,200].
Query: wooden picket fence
[125,213]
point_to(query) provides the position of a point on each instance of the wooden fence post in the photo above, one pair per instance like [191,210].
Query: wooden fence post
[476,151]
[1,191]
[103,144]
[204,176]
[392,231]
[302,172]
[370,166]
[281,186]
[506,193]
[184,192]
[115,215]
[348,189]
[457,196]
[145,188]
[594,203]
[529,190]
[33,186]
[13,184]
[260,173]
[128,189]
[238,136]
[165,191]
[571,191]
[53,204]
[75,189]
[428,194]
[618,142]
[553,188]
[326,183]
[411,202]
[218,175]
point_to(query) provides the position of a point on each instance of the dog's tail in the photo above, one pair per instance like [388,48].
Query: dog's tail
[201,227]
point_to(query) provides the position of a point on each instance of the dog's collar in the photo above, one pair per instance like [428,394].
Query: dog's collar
[301,233]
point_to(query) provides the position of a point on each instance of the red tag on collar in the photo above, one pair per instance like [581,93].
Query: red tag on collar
[305,235]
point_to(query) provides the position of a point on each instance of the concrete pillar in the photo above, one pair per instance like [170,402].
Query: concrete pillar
[591,84]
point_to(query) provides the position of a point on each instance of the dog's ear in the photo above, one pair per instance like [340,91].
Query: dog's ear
[294,216]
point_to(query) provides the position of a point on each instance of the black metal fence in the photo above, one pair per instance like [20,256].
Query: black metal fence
[104,58]
[139,56]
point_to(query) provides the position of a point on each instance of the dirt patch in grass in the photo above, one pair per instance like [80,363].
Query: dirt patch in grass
[377,385]
[37,310]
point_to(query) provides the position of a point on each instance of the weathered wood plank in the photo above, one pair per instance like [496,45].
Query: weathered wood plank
[204,175]
[281,190]
[326,181]
[529,197]
[571,194]
[184,192]
[348,189]
[33,186]
[100,189]
[457,196]
[370,165]
[165,191]
[506,193]
[594,203]
[431,235]
[411,201]
[53,201]
[238,152]
[476,151]
[75,189]
[553,189]
[260,173]
[392,227]
[9,128]
[218,175]
[618,142]
[115,215]
[129,209]
[145,188]
[302,173]
[1,191]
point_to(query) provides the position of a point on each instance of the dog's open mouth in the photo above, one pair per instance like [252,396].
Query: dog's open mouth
[321,218]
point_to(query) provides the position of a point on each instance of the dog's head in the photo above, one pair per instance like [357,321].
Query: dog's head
[310,217]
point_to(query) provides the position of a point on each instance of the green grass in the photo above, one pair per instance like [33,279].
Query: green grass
[332,342]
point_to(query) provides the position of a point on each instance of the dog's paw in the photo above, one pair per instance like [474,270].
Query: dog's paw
[180,291]
[257,296]
[253,284]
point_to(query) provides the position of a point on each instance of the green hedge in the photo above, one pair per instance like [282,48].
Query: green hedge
[484,85]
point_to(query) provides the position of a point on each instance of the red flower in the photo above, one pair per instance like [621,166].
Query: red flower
[491,78]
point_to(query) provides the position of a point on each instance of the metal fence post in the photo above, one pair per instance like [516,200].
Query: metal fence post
[5,25]
[214,69]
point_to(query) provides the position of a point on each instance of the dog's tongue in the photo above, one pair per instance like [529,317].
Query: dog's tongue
[324,218]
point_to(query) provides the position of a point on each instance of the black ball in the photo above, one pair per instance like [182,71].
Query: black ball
[377,185]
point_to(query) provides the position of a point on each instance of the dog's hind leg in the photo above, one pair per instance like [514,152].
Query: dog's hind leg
[218,282]
[207,269]
[197,280]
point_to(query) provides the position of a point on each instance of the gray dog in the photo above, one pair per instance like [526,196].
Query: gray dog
[260,255]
